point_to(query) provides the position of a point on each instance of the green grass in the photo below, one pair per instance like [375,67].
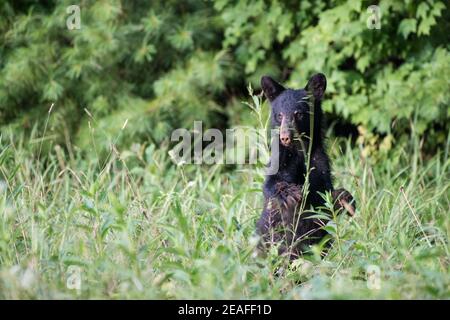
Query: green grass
[140,227]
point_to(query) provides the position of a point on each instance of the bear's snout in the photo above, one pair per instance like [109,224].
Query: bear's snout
[285,132]
[285,139]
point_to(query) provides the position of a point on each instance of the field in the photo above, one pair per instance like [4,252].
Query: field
[136,226]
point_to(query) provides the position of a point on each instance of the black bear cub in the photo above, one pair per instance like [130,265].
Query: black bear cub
[286,219]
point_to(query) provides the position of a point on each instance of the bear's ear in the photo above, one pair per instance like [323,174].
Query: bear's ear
[271,88]
[317,85]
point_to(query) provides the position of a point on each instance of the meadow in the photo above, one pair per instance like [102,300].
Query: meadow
[132,225]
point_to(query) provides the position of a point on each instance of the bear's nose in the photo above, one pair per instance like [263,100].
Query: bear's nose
[285,139]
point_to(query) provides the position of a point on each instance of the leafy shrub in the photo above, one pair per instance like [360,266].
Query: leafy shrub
[165,63]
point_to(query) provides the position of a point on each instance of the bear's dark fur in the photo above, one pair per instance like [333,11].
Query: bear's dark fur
[284,220]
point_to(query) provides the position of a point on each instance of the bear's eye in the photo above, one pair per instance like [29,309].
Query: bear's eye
[279,117]
[298,115]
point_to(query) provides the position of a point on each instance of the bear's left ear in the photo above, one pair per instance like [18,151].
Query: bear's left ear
[317,85]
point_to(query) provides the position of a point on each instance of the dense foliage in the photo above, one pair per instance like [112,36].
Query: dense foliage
[129,231]
[162,64]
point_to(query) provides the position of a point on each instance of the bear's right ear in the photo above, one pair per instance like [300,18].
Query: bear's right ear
[317,85]
[271,88]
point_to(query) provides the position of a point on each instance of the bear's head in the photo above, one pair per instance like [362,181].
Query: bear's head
[297,113]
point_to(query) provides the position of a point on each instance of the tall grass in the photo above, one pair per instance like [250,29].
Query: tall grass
[138,226]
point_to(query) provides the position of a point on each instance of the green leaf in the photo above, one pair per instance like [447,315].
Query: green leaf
[437,9]
[422,10]
[53,90]
[425,26]
[407,26]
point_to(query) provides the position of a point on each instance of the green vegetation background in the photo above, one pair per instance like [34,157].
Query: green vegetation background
[77,188]
[163,64]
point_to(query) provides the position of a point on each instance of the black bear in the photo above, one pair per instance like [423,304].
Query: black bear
[295,188]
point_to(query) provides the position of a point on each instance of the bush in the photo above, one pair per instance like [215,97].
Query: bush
[164,64]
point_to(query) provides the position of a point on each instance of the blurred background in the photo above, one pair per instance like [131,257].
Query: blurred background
[164,64]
